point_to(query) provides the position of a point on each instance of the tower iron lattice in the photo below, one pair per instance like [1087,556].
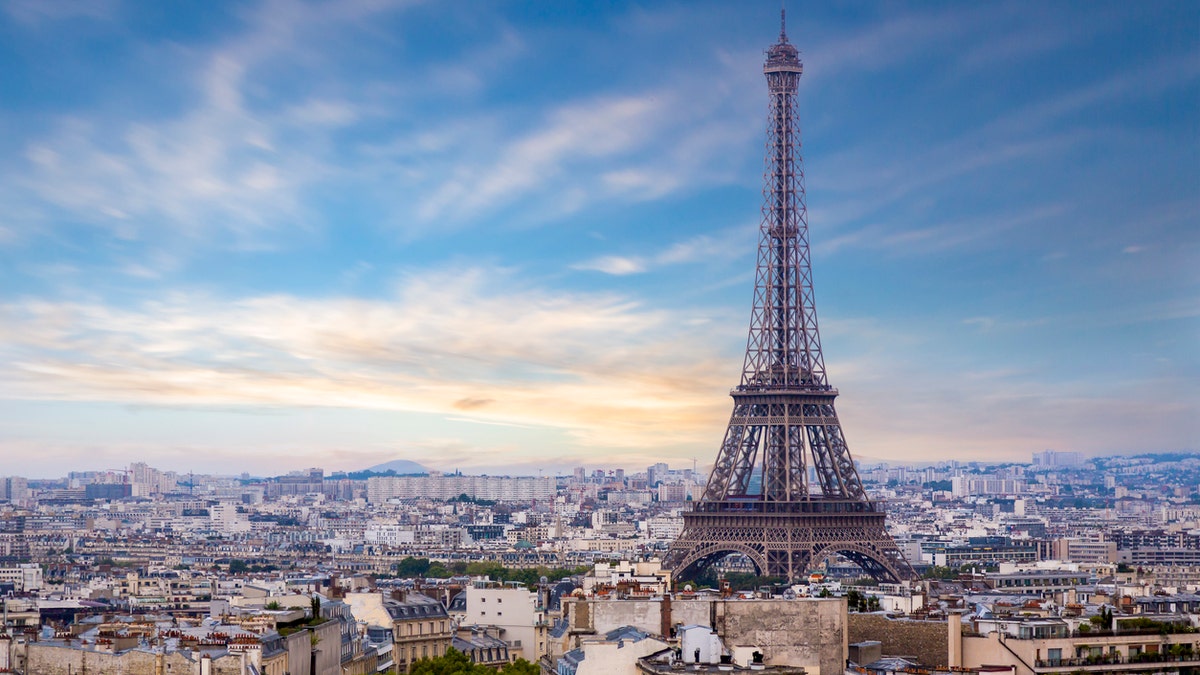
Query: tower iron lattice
[783,411]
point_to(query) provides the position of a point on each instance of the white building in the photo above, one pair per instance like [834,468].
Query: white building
[438,486]
[225,518]
[25,577]
[515,612]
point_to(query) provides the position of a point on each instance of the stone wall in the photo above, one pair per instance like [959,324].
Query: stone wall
[926,641]
[807,632]
[328,648]
[299,649]
[603,616]
[52,659]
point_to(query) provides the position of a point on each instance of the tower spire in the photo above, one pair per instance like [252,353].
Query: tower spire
[782,23]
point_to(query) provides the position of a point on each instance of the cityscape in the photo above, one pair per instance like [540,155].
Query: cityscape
[107,567]
[298,381]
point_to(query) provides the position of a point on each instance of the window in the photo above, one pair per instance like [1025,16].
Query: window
[1054,654]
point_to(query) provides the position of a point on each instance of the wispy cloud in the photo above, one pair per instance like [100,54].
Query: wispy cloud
[613,264]
[1005,413]
[236,166]
[597,129]
[40,11]
[454,343]
[945,236]
[728,244]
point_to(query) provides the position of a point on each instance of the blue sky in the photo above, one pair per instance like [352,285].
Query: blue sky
[517,236]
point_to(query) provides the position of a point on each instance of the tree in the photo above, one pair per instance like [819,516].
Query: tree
[939,572]
[453,662]
[412,567]
[854,600]
[315,604]
[520,667]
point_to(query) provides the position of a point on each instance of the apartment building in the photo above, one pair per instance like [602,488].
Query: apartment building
[421,629]
[514,612]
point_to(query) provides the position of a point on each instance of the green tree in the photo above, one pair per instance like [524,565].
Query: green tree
[238,566]
[741,581]
[453,662]
[489,569]
[412,567]
[854,600]
[938,572]
[520,667]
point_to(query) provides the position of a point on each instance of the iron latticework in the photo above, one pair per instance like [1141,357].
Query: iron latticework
[759,500]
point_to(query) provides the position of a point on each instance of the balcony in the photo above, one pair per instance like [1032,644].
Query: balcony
[1115,662]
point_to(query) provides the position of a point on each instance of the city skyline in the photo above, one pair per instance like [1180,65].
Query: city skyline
[278,235]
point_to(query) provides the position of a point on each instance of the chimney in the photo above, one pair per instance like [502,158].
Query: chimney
[954,655]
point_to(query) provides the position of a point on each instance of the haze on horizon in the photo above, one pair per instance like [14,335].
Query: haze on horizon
[266,235]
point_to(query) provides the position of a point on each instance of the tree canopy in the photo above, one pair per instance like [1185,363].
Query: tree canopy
[455,662]
[421,567]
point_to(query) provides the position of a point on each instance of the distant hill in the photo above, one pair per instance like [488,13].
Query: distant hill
[399,466]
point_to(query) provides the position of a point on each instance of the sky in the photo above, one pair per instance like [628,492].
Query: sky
[517,237]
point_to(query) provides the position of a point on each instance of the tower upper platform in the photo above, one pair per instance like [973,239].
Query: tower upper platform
[783,57]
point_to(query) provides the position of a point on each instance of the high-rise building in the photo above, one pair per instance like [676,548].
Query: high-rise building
[1055,459]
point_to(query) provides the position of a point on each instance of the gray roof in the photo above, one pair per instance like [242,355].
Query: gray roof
[891,663]
[573,657]
[625,633]
[559,628]
[477,641]
[415,607]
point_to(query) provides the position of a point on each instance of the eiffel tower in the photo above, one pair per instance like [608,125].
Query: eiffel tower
[759,501]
